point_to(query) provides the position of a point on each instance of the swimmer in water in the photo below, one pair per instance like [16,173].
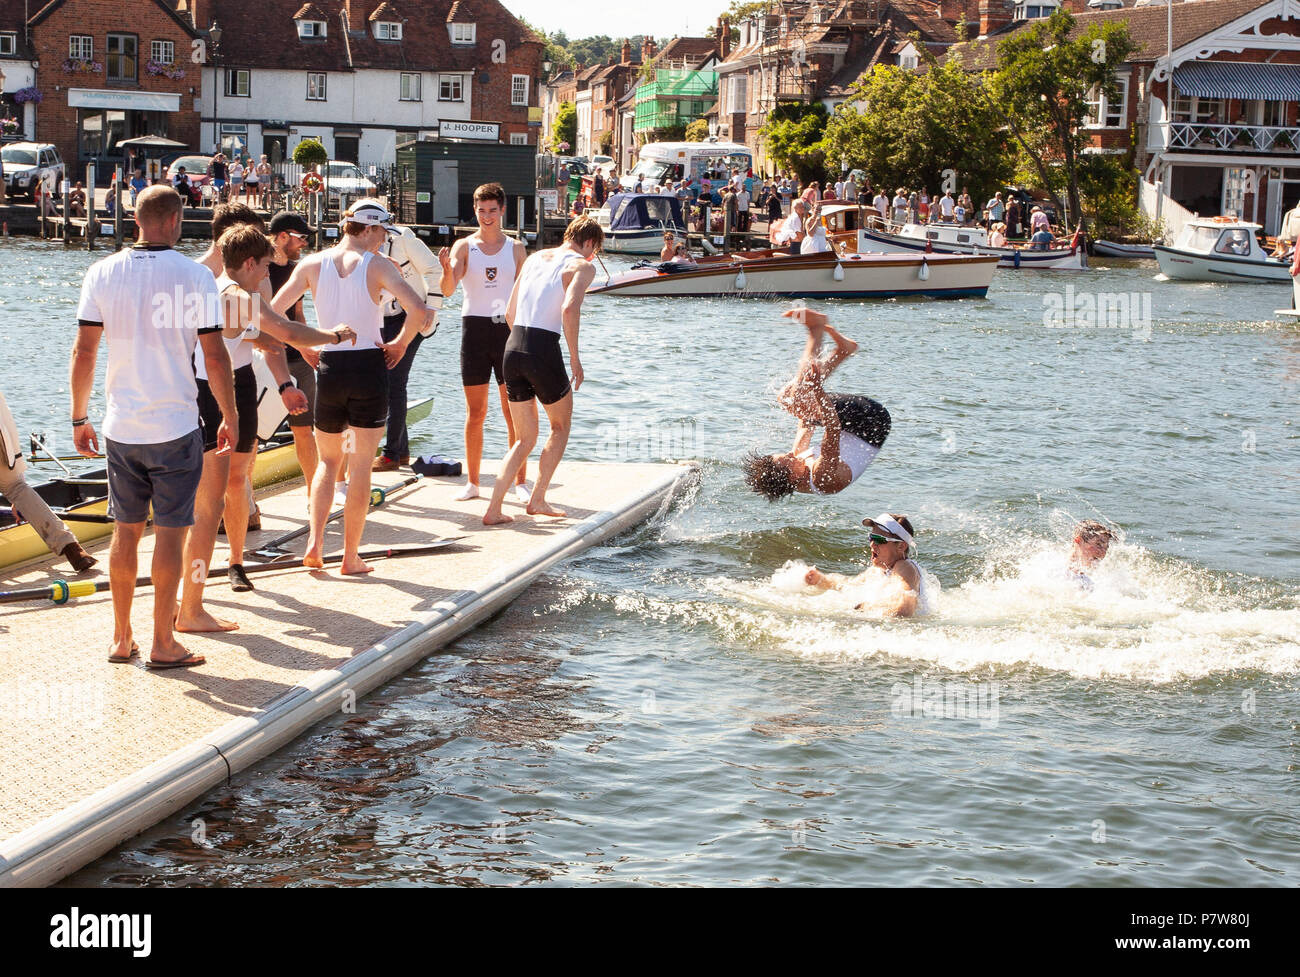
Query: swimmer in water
[1091,544]
[891,539]
[854,427]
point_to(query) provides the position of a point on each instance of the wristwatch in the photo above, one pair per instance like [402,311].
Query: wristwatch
[285,386]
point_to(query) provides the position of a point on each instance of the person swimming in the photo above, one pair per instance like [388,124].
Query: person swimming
[1091,544]
[891,540]
[855,427]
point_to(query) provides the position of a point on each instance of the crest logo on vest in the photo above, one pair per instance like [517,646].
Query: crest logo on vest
[491,274]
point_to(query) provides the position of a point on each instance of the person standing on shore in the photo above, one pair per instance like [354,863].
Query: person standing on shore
[347,283]
[487,265]
[153,444]
[288,234]
[546,301]
[26,504]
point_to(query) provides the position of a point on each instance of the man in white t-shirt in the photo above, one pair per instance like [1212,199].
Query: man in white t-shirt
[791,233]
[947,206]
[742,208]
[881,203]
[150,304]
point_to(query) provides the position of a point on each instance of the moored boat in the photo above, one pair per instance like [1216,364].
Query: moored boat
[86,495]
[1114,249]
[776,274]
[1220,249]
[634,223]
[962,239]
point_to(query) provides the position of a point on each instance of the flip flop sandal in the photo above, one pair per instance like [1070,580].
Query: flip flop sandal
[188,661]
[118,660]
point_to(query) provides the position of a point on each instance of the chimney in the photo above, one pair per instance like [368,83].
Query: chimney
[724,38]
[627,51]
[994,14]
[953,11]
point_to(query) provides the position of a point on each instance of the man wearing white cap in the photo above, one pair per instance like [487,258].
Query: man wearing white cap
[891,539]
[347,285]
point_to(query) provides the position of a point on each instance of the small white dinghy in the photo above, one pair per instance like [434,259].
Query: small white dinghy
[1113,249]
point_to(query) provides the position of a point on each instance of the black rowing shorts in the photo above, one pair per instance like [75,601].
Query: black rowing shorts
[351,390]
[245,404]
[534,366]
[863,417]
[482,349]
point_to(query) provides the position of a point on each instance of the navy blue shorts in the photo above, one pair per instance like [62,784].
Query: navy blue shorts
[166,475]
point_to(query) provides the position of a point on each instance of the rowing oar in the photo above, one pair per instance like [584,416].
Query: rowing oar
[61,591]
[275,548]
[70,516]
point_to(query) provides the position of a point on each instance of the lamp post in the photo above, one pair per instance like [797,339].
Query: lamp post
[4,200]
[214,35]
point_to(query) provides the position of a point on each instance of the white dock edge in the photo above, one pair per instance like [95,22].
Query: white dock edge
[77,835]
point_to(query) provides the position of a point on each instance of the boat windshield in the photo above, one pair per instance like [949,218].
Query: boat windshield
[1234,242]
[23,157]
[1198,238]
[651,170]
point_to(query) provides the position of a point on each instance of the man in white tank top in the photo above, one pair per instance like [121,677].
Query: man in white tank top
[486,264]
[346,283]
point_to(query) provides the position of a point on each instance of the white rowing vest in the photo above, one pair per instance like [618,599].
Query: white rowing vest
[854,452]
[347,301]
[541,290]
[922,594]
[240,348]
[10,446]
[488,280]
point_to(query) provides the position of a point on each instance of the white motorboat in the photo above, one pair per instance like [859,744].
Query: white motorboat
[634,223]
[1220,249]
[1113,249]
[777,274]
[962,239]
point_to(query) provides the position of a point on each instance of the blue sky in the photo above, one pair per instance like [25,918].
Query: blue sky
[584,18]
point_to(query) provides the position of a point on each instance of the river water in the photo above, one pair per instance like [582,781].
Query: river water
[673,709]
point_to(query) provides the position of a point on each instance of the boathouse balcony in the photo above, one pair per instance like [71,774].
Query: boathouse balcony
[1217,136]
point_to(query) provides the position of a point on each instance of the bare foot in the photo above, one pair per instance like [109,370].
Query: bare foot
[200,622]
[850,347]
[314,559]
[496,518]
[354,566]
[544,508]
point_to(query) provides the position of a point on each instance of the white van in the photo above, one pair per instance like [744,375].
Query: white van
[661,162]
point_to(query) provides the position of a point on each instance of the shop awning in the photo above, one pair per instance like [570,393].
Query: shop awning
[1239,79]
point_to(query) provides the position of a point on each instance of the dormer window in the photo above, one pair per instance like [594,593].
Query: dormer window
[463,33]
[1036,9]
[311,28]
[1105,4]
[387,30]
[311,21]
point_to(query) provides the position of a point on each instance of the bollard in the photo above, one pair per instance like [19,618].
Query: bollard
[67,206]
[117,213]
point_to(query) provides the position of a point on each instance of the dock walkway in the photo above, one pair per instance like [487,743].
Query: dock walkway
[94,753]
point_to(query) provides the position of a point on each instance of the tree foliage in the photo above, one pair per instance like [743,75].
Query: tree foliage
[697,131]
[565,127]
[793,134]
[906,129]
[310,153]
[1041,88]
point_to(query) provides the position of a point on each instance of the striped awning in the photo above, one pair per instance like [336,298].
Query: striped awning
[1239,79]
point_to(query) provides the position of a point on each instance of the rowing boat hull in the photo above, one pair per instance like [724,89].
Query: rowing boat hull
[821,276]
[1057,259]
[277,461]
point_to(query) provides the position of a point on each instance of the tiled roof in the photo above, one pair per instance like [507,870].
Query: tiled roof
[309,11]
[1147,26]
[169,7]
[386,12]
[694,49]
[460,13]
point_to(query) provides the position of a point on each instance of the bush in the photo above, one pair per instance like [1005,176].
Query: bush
[309,154]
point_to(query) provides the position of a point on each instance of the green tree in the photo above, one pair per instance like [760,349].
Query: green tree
[1041,87]
[606,141]
[564,131]
[697,131]
[309,154]
[917,126]
[793,134]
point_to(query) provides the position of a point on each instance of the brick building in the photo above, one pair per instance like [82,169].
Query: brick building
[110,71]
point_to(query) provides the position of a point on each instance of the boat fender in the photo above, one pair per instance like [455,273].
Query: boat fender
[924,273]
[740,280]
[839,272]
[1015,260]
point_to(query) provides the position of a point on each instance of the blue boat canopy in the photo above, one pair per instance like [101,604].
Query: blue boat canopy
[1239,79]
[638,211]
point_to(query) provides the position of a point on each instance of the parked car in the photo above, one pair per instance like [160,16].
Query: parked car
[603,163]
[347,182]
[1033,198]
[27,163]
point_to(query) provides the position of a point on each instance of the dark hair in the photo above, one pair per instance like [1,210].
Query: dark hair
[768,477]
[226,216]
[490,191]
[1091,531]
[241,242]
[904,522]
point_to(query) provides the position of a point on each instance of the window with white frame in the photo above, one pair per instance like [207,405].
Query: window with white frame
[463,33]
[237,83]
[1272,113]
[1107,113]
[519,139]
[315,86]
[8,42]
[518,89]
[450,89]
[908,60]
[387,30]
[311,28]
[739,93]
[164,52]
[1190,108]
[410,87]
[81,47]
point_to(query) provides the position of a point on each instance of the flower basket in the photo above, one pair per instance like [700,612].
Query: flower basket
[30,94]
[81,66]
[9,126]
[164,69]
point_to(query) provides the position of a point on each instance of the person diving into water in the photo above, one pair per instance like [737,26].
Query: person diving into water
[891,541]
[854,427]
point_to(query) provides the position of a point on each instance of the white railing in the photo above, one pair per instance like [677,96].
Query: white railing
[1217,135]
